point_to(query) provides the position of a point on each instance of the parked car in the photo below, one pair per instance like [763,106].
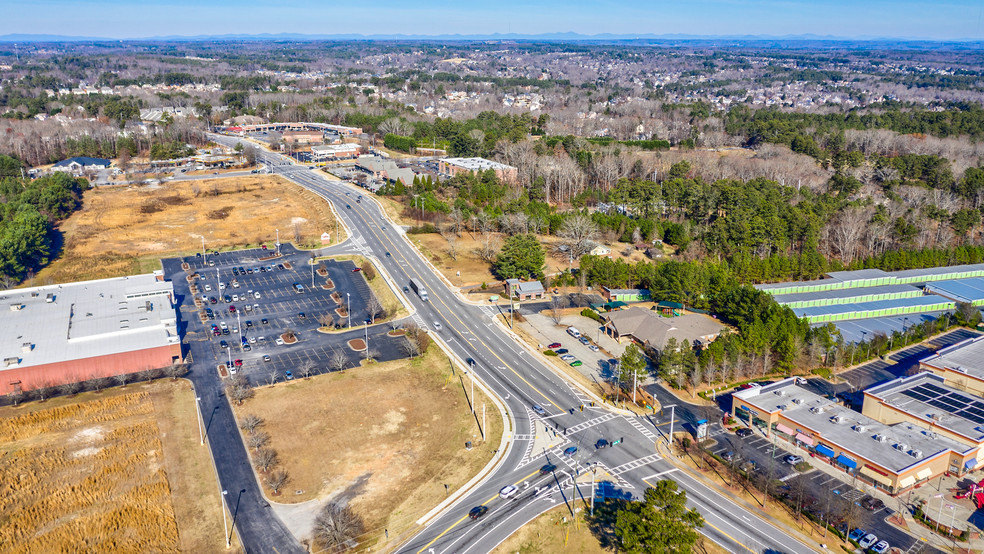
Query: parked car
[867,541]
[562,351]
[568,357]
[549,468]
[265,321]
[743,432]
[880,548]
[792,459]
[592,348]
[478,511]
[872,504]
[508,491]
[280,341]
[224,344]
[301,316]
[584,340]
[256,295]
[238,363]
[356,270]
[289,376]
[728,456]
[857,534]
[577,363]
[266,357]
[554,346]
[538,409]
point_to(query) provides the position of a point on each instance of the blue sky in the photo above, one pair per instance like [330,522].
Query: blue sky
[944,19]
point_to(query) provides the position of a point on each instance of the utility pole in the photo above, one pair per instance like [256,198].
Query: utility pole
[594,469]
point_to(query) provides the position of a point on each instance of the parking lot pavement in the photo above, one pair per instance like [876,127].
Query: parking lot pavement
[267,305]
[595,365]
[756,448]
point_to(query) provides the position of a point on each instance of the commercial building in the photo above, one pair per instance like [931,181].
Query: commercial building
[960,365]
[381,168]
[891,456]
[59,334]
[327,152]
[303,137]
[648,328]
[847,296]
[625,295]
[970,291]
[455,166]
[524,290]
[879,308]
[80,164]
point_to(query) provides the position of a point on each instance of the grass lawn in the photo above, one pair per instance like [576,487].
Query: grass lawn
[125,230]
[387,436]
[120,470]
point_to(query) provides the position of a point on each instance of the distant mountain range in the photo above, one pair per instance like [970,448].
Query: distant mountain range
[558,37]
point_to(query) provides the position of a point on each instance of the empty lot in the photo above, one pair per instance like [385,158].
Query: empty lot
[119,470]
[124,230]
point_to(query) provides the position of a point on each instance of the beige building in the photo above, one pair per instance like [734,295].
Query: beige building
[960,365]
[648,328]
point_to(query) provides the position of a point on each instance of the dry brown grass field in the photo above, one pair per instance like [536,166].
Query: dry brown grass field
[388,436]
[125,230]
[121,470]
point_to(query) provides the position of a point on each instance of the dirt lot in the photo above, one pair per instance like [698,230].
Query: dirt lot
[126,230]
[119,470]
[389,436]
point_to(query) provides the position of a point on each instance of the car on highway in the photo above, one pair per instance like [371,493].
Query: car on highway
[743,432]
[577,363]
[880,548]
[549,468]
[601,443]
[554,346]
[508,491]
[289,376]
[387,254]
[570,451]
[538,410]
[867,541]
[568,357]
[792,459]
[438,326]
[478,511]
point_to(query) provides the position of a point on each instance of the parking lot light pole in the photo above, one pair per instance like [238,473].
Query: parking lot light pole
[225,525]
[348,310]
[201,429]
[204,254]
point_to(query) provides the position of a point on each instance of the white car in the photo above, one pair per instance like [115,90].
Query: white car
[438,326]
[867,541]
[592,348]
[880,548]
[235,298]
[508,491]
[252,340]
[280,341]
[221,286]
[568,358]
[208,288]
[256,295]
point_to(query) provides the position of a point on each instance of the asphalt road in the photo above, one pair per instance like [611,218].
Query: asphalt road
[521,380]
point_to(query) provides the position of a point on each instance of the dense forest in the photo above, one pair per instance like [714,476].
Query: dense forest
[28,212]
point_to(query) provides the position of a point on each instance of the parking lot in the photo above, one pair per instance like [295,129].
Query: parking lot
[251,309]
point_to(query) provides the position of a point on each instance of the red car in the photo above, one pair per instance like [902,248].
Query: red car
[238,363]
[554,346]
[232,309]
[357,269]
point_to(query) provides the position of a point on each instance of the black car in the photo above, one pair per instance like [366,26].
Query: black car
[743,432]
[602,443]
[561,351]
[872,504]
[301,316]
[228,298]
[213,300]
[478,511]
[264,321]
[235,271]
[549,468]
[249,323]
[224,344]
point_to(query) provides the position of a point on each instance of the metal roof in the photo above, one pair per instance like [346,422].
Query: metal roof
[926,397]
[915,301]
[843,293]
[771,286]
[965,356]
[959,290]
[86,319]
[931,271]
[857,330]
[857,275]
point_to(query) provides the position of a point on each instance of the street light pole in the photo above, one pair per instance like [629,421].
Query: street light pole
[204,255]
[471,399]
[593,471]
[225,525]
[201,428]
[367,340]
[348,310]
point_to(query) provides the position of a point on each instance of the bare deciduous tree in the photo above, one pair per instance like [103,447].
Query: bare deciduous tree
[557,305]
[122,379]
[265,459]
[176,370]
[578,233]
[250,423]
[307,367]
[374,308]
[239,389]
[257,439]
[337,526]
[70,388]
[277,479]
[338,361]
[326,320]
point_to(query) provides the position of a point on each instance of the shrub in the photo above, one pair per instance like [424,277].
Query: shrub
[549,353]
[588,312]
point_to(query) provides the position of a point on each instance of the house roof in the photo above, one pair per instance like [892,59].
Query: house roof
[83,161]
[648,327]
[526,287]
